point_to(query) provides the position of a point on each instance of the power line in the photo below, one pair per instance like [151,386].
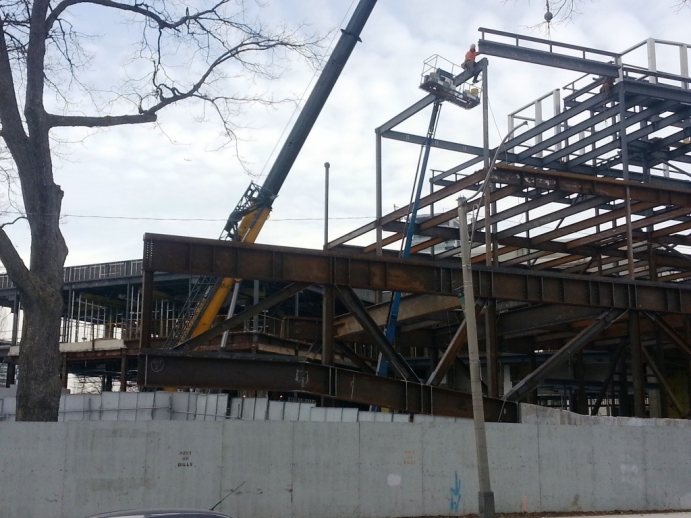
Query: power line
[152,218]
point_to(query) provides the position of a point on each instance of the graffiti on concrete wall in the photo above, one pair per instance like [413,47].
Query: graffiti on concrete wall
[455,494]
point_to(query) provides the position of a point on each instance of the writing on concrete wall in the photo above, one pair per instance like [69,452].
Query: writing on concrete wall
[455,497]
[185,459]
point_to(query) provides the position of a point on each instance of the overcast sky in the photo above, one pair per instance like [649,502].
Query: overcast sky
[176,171]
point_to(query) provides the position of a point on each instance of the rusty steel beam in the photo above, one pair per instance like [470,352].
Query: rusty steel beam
[402,212]
[610,376]
[453,349]
[585,184]
[412,307]
[662,381]
[158,368]
[430,225]
[676,339]
[352,302]
[535,378]
[354,357]
[233,321]
[281,264]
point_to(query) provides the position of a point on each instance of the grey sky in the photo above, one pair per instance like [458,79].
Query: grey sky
[144,172]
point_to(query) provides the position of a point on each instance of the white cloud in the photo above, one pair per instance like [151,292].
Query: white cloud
[139,172]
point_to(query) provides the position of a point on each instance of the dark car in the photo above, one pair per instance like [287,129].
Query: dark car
[162,513]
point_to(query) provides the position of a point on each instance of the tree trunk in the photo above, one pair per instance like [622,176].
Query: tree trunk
[38,393]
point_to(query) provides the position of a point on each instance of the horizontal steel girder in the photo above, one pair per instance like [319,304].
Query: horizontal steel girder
[178,254]
[541,57]
[213,371]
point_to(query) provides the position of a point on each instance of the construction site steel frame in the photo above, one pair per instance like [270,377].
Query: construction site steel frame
[579,261]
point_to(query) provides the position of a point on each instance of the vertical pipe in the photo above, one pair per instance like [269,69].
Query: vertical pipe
[637,365]
[145,319]
[326,204]
[485,495]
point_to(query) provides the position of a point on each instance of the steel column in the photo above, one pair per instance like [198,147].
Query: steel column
[147,300]
[328,325]
[123,372]
[637,372]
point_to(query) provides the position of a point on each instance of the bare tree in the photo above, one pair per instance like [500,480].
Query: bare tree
[189,52]
[562,10]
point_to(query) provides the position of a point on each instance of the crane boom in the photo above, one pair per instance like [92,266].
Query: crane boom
[247,220]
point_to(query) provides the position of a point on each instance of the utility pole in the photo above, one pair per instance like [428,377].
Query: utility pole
[485,494]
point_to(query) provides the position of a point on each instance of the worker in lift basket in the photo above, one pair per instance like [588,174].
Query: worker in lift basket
[469,63]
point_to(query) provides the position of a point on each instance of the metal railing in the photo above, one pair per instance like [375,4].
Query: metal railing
[91,272]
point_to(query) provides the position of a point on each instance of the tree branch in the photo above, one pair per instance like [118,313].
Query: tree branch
[100,122]
[12,129]
[12,222]
[13,263]
[136,8]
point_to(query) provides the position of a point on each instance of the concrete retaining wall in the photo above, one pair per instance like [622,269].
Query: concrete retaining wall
[310,469]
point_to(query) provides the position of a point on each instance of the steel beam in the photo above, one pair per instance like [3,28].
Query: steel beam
[596,186]
[610,376]
[354,357]
[662,381]
[535,379]
[437,143]
[630,119]
[402,212]
[352,302]
[670,332]
[550,59]
[250,312]
[643,132]
[522,320]
[552,216]
[159,368]
[413,307]
[453,349]
[231,259]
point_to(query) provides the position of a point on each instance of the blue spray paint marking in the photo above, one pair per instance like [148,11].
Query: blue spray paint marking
[455,499]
